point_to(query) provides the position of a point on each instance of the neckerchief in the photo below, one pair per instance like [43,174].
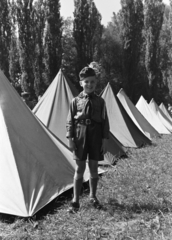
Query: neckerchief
[88,108]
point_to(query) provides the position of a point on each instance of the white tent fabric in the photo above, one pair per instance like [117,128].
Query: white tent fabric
[52,108]
[34,166]
[151,117]
[121,125]
[160,115]
[136,116]
[165,111]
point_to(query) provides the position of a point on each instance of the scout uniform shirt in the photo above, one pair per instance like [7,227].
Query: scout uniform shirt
[87,118]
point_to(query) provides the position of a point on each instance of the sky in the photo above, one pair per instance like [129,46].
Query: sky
[105,7]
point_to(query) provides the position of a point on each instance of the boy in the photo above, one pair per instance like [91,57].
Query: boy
[87,129]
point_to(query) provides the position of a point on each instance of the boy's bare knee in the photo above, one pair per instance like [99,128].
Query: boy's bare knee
[94,175]
[78,176]
[79,171]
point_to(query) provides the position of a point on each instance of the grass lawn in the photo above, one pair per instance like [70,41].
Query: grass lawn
[136,195]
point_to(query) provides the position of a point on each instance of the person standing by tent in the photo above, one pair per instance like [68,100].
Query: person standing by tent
[87,131]
[169,108]
[26,98]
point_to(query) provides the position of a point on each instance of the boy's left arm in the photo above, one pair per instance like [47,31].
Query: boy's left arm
[105,127]
[105,122]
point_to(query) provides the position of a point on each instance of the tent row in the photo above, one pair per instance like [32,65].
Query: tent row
[130,126]
[36,164]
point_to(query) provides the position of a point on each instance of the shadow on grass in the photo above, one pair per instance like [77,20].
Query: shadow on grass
[154,144]
[113,206]
[7,218]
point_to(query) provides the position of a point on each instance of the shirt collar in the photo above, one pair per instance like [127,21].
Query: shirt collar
[85,95]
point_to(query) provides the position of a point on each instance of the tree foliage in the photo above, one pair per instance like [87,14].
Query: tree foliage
[87,31]
[154,10]
[166,53]
[38,66]
[53,41]
[14,65]
[5,36]
[26,35]
[132,52]
[69,57]
[110,57]
[165,57]
[132,22]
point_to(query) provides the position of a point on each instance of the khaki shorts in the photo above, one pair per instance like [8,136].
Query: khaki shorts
[88,140]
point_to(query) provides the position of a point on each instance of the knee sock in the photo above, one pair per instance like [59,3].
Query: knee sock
[93,186]
[77,189]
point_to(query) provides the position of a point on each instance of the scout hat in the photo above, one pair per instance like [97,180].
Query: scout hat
[86,72]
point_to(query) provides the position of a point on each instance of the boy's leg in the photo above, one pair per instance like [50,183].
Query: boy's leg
[94,177]
[78,179]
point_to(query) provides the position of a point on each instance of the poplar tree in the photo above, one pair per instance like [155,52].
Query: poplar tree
[132,22]
[39,27]
[5,36]
[25,12]
[69,50]
[165,56]
[87,31]
[154,10]
[111,54]
[168,27]
[53,41]
[14,65]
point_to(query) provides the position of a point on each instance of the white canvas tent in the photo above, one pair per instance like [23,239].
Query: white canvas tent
[160,115]
[34,166]
[52,108]
[136,116]
[165,111]
[151,117]
[121,125]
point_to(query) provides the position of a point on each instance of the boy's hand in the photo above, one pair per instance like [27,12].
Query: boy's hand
[72,145]
[103,149]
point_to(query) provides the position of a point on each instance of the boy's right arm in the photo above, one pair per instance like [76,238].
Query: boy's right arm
[70,121]
[72,145]
[70,126]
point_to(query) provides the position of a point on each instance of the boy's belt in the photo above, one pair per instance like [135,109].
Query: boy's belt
[84,121]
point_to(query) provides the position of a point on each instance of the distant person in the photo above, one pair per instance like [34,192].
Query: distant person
[26,98]
[87,131]
[170,108]
[39,97]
